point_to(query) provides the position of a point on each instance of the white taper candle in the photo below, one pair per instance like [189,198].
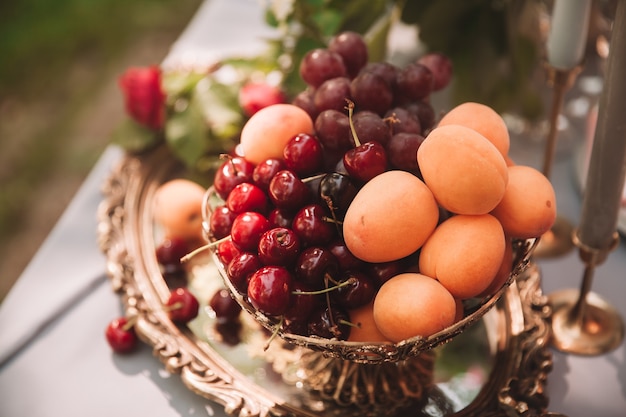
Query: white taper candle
[568,33]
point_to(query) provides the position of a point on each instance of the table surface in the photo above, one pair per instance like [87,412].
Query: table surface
[54,360]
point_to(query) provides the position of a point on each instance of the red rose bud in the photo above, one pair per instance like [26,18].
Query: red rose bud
[144,99]
[255,96]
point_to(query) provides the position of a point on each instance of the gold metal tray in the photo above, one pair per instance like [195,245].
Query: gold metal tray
[498,367]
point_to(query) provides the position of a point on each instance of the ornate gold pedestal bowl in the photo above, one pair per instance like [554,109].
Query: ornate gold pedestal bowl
[498,350]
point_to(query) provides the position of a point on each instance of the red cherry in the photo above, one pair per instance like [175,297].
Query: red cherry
[265,171]
[287,191]
[224,305]
[365,161]
[304,154]
[280,218]
[182,305]
[221,221]
[312,226]
[240,268]
[269,290]
[347,261]
[279,246]
[233,171]
[247,197]
[247,230]
[226,251]
[313,264]
[302,304]
[359,292]
[121,336]
[169,252]
[330,323]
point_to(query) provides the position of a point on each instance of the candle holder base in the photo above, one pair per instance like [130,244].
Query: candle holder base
[557,241]
[600,330]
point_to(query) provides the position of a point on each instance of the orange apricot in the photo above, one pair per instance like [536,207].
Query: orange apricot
[391,216]
[465,172]
[464,253]
[528,207]
[178,209]
[503,273]
[365,329]
[267,132]
[410,304]
[482,119]
[460,310]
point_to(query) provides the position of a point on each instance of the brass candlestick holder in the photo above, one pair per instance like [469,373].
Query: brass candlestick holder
[583,322]
[557,241]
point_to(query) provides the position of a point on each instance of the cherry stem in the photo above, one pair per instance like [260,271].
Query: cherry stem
[347,282]
[176,306]
[203,248]
[331,220]
[357,143]
[230,159]
[349,323]
[130,323]
[327,277]
[274,333]
[313,178]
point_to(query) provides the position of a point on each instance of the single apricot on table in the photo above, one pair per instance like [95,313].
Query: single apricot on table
[178,209]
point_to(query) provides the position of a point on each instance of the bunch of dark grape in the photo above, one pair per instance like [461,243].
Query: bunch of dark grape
[391,104]
[279,229]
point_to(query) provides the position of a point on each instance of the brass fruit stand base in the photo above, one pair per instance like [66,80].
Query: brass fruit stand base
[289,380]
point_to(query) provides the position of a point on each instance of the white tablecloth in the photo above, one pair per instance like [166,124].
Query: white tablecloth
[54,360]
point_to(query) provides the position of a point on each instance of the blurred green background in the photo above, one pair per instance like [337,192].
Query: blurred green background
[59,102]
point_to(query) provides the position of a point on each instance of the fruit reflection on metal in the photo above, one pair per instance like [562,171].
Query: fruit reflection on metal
[557,241]
[583,322]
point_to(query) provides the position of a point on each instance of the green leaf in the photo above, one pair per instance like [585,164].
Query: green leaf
[359,15]
[186,135]
[180,83]
[220,108]
[135,138]
[376,37]
[328,21]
